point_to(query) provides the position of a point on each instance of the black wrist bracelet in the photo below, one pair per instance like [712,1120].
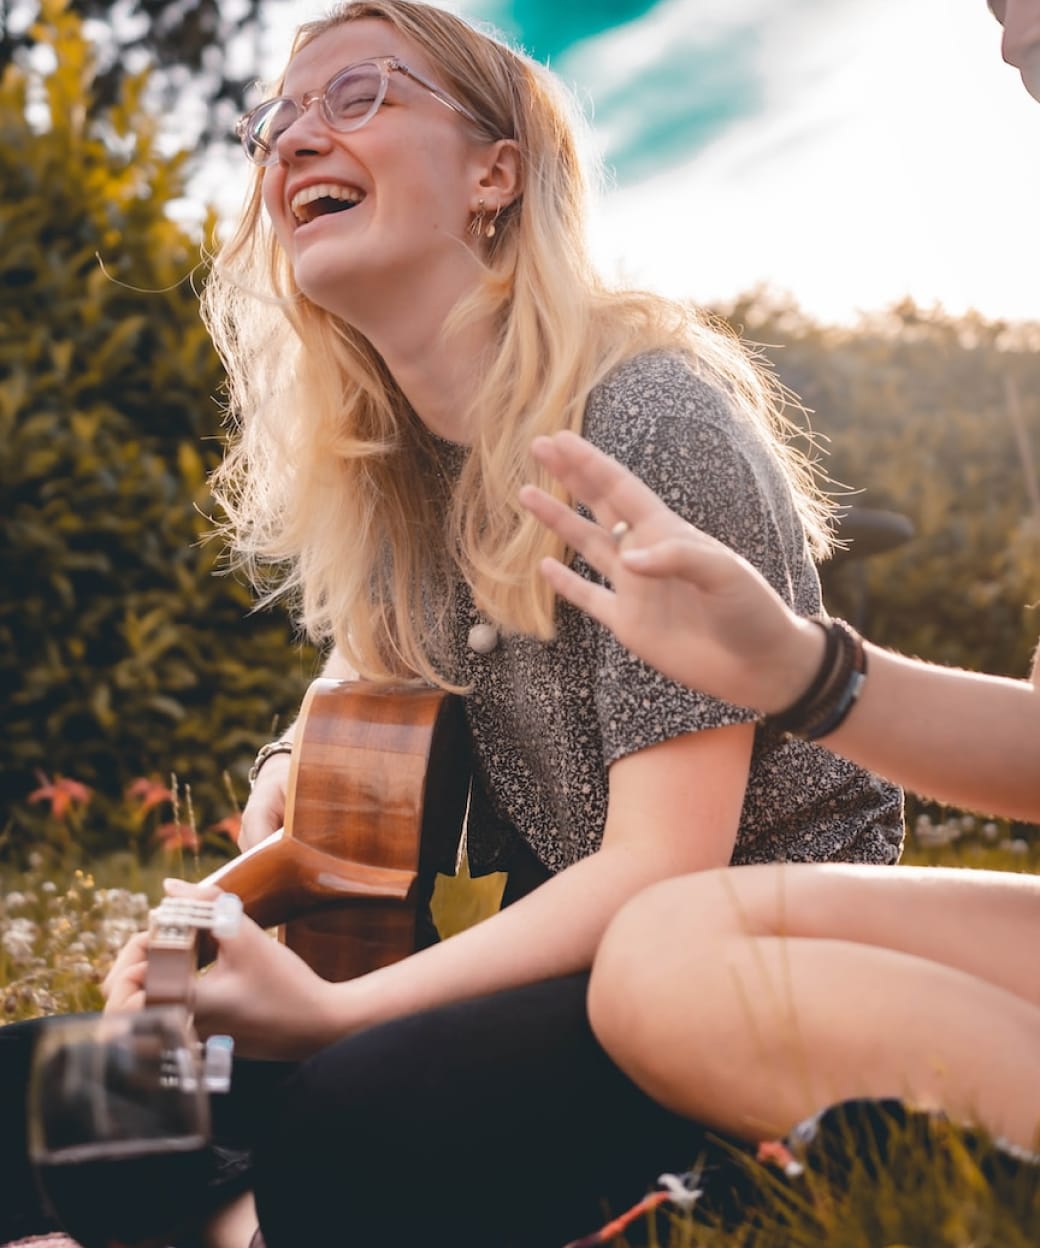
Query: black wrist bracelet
[835,688]
[843,699]
[788,719]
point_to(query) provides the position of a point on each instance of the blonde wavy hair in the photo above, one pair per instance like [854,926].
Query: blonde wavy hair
[319,485]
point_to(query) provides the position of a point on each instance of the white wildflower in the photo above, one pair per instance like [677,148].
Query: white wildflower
[116,931]
[121,903]
[19,937]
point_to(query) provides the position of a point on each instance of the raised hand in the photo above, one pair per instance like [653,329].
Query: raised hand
[680,599]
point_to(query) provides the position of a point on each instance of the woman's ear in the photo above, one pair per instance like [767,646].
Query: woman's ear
[501,174]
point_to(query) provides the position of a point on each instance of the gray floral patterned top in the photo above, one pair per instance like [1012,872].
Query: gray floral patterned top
[548,719]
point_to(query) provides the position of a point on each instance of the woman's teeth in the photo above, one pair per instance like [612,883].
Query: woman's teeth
[323,197]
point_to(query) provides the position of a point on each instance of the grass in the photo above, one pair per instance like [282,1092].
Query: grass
[60,928]
[916,1184]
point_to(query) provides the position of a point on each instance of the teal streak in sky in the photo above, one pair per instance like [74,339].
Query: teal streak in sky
[655,116]
[678,106]
[548,30]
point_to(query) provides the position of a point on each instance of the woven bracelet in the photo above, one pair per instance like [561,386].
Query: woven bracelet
[850,693]
[283,746]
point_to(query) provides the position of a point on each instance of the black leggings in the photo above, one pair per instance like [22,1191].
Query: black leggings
[496,1123]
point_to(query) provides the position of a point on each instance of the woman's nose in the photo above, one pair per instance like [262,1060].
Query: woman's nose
[309,135]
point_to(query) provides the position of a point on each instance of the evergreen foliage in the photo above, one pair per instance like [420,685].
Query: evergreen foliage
[191,48]
[121,653]
[913,411]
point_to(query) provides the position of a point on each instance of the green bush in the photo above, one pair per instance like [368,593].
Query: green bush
[913,411]
[122,654]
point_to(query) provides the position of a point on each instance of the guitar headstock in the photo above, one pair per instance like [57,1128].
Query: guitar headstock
[173,931]
[176,921]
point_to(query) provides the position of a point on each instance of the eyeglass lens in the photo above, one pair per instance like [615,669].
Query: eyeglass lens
[349,100]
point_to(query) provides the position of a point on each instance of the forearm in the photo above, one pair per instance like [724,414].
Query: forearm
[337,668]
[673,808]
[967,739]
[553,931]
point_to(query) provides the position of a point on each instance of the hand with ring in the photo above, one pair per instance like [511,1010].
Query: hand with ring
[678,598]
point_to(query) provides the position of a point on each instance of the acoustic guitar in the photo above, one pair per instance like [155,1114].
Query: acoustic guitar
[375,803]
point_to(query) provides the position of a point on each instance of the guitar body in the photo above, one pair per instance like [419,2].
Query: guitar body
[381,778]
[376,800]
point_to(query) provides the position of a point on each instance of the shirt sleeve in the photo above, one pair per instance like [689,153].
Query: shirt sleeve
[685,439]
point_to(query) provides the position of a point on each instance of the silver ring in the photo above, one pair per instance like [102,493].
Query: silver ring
[619,531]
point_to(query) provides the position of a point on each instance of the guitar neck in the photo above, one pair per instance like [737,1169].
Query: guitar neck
[282,878]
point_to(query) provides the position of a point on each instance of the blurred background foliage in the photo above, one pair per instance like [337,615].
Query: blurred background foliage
[937,419]
[124,655]
[202,55]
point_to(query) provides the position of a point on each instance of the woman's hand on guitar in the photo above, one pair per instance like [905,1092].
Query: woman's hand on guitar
[123,986]
[264,813]
[260,992]
[680,600]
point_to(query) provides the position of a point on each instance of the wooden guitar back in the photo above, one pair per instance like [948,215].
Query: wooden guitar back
[376,797]
[379,777]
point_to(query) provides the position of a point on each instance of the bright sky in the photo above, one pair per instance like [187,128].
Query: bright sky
[893,153]
[847,151]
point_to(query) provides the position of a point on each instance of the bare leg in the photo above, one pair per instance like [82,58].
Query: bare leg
[233,1226]
[752,997]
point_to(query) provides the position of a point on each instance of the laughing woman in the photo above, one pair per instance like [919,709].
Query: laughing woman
[406,303]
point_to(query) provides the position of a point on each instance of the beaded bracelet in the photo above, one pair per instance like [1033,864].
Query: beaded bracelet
[834,689]
[282,746]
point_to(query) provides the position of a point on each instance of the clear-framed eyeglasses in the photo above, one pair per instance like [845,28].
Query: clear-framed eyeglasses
[349,100]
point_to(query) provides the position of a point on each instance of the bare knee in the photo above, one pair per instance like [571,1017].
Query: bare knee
[662,932]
